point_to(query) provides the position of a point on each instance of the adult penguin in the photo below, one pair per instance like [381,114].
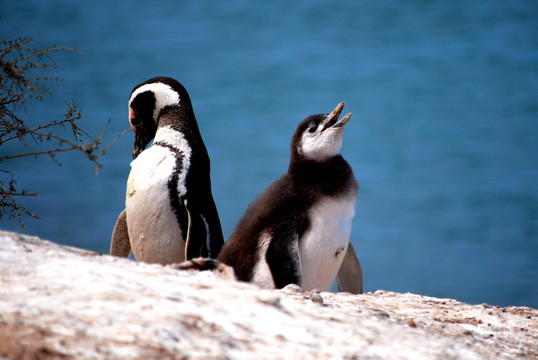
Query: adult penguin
[170,215]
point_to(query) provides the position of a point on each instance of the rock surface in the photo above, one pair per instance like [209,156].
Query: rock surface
[62,302]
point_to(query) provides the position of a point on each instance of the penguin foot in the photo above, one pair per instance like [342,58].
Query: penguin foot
[202,264]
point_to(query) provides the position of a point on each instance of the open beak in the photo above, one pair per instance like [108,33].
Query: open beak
[332,118]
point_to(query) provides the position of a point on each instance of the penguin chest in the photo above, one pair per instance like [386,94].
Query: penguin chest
[154,231]
[323,246]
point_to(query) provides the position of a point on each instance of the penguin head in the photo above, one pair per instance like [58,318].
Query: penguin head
[319,137]
[146,104]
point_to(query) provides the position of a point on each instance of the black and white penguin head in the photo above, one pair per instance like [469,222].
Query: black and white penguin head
[319,137]
[146,103]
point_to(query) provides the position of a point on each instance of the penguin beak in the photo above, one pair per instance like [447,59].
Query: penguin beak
[332,118]
[144,130]
[143,136]
[342,121]
[141,140]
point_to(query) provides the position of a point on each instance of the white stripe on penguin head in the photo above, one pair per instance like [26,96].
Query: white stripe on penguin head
[164,96]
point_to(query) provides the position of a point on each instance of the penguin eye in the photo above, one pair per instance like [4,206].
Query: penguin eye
[312,129]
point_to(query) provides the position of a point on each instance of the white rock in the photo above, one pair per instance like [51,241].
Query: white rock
[58,301]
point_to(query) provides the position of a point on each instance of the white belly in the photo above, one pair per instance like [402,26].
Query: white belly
[324,244]
[154,232]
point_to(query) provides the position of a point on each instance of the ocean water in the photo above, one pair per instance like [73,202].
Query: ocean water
[443,138]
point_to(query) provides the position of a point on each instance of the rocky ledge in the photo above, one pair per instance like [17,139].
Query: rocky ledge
[63,302]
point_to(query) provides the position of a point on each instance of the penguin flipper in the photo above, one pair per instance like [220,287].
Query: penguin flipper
[283,259]
[216,239]
[197,241]
[119,243]
[349,277]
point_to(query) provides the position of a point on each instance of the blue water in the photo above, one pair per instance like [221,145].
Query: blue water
[443,138]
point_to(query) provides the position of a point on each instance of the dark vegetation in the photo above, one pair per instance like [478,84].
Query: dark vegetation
[22,80]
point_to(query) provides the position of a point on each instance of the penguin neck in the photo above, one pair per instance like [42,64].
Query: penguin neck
[181,119]
[169,137]
[327,176]
[299,163]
